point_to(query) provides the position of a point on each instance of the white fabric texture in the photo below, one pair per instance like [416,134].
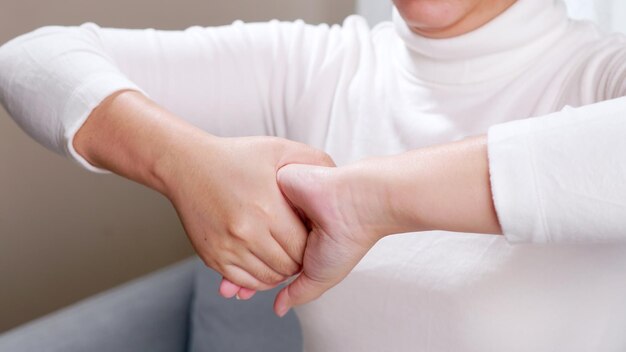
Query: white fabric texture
[357,92]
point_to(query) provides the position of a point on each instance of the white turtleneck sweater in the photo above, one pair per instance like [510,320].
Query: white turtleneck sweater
[555,282]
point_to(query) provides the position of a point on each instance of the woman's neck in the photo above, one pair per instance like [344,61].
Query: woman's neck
[517,36]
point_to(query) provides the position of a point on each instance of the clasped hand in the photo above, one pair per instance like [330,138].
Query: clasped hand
[288,211]
[225,192]
[339,232]
[260,210]
[281,210]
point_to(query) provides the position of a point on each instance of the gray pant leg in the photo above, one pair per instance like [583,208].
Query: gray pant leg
[238,326]
[148,314]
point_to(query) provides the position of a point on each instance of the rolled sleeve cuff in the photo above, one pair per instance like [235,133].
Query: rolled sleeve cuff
[84,100]
[514,184]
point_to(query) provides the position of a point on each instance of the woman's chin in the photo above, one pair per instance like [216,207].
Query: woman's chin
[433,16]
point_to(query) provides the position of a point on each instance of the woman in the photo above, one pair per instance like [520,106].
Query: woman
[444,70]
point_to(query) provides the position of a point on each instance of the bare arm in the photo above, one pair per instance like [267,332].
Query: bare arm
[443,187]
[132,136]
[226,199]
[556,178]
[439,188]
[214,79]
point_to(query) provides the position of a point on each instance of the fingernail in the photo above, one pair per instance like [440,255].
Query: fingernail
[282,311]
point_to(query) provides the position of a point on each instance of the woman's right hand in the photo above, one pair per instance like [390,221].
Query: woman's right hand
[224,189]
[225,192]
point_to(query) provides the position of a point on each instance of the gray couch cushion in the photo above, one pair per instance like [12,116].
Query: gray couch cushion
[218,324]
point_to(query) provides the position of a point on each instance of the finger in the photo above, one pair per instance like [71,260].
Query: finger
[290,232]
[302,290]
[259,270]
[245,293]
[273,255]
[242,278]
[306,155]
[228,289]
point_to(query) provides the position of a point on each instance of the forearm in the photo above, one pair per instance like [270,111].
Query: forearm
[444,187]
[132,136]
[350,208]
[198,74]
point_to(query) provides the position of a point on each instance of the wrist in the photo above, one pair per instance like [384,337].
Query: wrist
[373,185]
[398,193]
[178,159]
[443,187]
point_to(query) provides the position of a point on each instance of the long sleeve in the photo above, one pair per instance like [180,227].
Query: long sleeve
[561,178]
[235,80]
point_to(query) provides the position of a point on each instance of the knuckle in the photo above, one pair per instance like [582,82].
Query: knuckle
[211,264]
[250,283]
[262,211]
[237,278]
[299,239]
[205,255]
[274,143]
[293,268]
[242,230]
[295,249]
[215,263]
[270,277]
[256,286]
[281,266]
[207,262]
[328,161]
[318,156]
[323,158]
[224,248]
[221,267]
[217,251]
[285,265]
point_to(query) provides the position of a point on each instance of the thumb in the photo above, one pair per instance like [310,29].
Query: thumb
[302,290]
[296,181]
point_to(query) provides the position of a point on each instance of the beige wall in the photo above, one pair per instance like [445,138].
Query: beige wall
[66,234]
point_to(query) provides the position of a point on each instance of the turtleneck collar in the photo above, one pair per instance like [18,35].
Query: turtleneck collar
[503,46]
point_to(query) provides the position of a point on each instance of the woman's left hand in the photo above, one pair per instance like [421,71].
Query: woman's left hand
[341,232]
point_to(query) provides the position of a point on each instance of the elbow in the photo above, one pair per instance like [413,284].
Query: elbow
[25,39]
[38,75]
[44,40]
[30,53]
[16,52]
[16,60]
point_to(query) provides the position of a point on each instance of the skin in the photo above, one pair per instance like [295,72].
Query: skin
[435,19]
[254,238]
[449,18]
[229,204]
[353,207]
